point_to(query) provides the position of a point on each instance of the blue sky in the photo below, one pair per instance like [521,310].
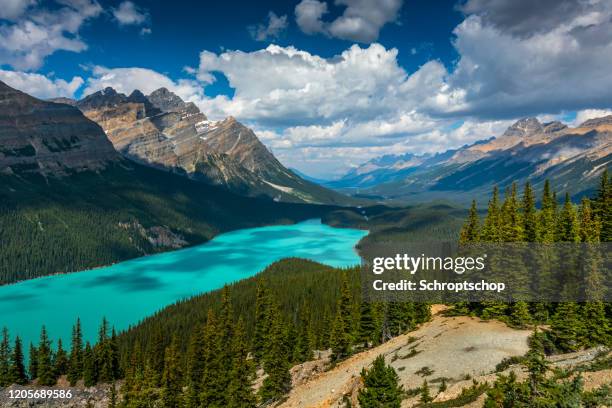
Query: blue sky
[327,84]
[180,30]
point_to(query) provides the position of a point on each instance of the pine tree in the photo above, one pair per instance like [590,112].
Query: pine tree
[425,396]
[548,215]
[240,387]
[470,231]
[304,343]
[367,327]
[597,328]
[46,374]
[589,225]
[226,332]
[603,206]
[33,366]
[195,367]
[156,357]
[212,392]
[102,354]
[346,305]
[530,220]
[520,316]
[380,386]
[511,220]
[114,355]
[262,320]
[5,359]
[171,378]
[536,363]
[90,376]
[339,338]
[276,361]
[75,369]
[567,327]
[17,370]
[491,229]
[60,362]
[567,226]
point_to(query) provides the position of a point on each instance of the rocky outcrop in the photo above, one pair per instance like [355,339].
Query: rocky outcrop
[48,138]
[163,131]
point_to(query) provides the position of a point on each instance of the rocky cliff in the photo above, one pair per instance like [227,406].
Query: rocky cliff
[163,131]
[48,138]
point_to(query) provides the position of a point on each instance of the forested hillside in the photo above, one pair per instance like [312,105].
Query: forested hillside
[54,225]
[567,326]
[204,351]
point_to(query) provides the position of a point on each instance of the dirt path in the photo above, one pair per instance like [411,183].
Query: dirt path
[451,347]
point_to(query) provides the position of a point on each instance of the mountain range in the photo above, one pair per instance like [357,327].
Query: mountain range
[571,158]
[163,131]
[69,201]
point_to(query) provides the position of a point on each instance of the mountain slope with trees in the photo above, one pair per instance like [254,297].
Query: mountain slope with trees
[570,158]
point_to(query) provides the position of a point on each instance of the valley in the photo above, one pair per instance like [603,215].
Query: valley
[570,158]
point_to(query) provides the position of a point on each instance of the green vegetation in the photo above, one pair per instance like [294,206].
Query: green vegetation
[380,386]
[54,225]
[572,325]
[434,222]
[544,388]
[191,353]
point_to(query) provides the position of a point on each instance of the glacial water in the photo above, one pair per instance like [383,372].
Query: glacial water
[129,291]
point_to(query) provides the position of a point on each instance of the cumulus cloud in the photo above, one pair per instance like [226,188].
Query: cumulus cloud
[30,37]
[39,85]
[271,29]
[129,14]
[308,15]
[361,20]
[501,74]
[284,85]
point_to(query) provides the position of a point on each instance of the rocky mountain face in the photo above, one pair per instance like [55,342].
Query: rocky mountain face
[48,138]
[163,131]
[572,158]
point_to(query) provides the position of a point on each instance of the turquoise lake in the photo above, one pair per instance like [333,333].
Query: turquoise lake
[129,291]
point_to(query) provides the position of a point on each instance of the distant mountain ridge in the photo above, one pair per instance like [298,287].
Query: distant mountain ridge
[572,158]
[163,131]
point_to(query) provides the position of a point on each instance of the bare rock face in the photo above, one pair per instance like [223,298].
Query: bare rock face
[163,131]
[524,127]
[48,138]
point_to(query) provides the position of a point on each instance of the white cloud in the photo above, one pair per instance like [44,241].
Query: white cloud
[361,20]
[586,114]
[503,74]
[30,38]
[270,30]
[284,85]
[129,14]
[12,9]
[39,85]
[308,15]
